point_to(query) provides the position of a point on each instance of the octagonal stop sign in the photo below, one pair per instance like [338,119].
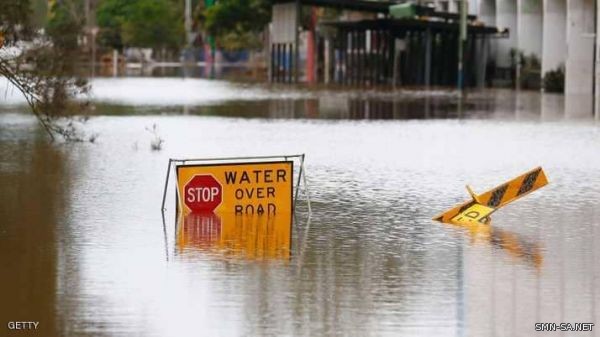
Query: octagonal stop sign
[203,193]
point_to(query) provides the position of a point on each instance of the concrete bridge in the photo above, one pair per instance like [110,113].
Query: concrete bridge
[561,33]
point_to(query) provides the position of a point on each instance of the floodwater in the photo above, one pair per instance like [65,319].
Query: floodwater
[83,248]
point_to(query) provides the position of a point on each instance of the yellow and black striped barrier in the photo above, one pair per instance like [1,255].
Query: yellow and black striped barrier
[480,207]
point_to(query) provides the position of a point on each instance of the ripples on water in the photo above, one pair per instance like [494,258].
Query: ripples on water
[82,239]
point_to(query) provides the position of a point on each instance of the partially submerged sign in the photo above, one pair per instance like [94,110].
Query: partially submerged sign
[474,213]
[480,207]
[237,188]
[240,206]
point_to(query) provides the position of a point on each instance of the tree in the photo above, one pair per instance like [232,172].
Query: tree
[43,67]
[235,23]
[110,15]
[140,23]
[62,24]
[14,20]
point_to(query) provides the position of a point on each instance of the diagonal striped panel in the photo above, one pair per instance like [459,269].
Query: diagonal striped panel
[497,195]
[501,195]
[528,182]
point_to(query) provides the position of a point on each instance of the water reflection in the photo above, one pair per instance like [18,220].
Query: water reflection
[514,296]
[82,247]
[513,243]
[34,182]
[196,96]
[254,237]
[228,71]
[277,103]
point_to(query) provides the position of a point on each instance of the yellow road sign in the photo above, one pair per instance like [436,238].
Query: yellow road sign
[500,195]
[238,188]
[475,213]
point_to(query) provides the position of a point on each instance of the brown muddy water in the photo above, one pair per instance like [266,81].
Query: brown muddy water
[83,250]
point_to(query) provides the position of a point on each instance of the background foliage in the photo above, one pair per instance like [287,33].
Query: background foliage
[45,67]
[140,23]
[236,23]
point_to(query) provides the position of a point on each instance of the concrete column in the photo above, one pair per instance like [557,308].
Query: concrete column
[453,6]
[327,60]
[473,7]
[597,74]
[554,45]
[310,57]
[487,14]
[580,58]
[529,27]
[428,42]
[506,17]
[482,59]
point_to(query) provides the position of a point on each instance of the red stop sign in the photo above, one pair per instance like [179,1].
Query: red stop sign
[203,193]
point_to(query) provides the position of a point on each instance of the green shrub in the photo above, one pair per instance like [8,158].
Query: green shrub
[554,80]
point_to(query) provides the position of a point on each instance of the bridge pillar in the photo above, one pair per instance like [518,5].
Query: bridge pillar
[554,44]
[529,31]
[506,17]
[580,58]
[487,14]
[597,67]
[473,7]
[284,42]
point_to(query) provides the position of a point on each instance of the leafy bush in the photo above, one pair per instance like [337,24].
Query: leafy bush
[554,80]
[140,23]
[236,23]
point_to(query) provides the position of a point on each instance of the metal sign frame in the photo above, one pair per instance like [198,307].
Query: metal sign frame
[236,160]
